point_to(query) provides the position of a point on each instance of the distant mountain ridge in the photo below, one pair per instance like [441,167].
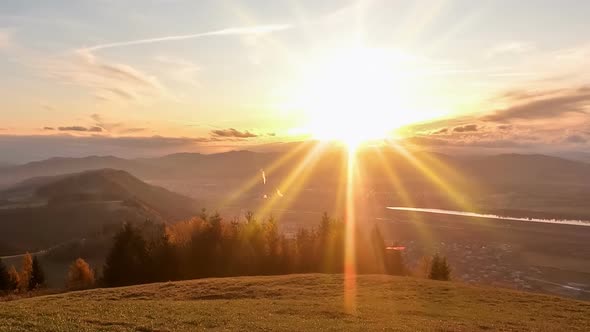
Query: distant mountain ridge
[527,182]
[237,163]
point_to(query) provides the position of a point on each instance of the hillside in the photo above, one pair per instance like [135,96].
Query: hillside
[81,205]
[296,303]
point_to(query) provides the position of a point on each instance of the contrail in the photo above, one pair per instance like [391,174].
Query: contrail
[260,29]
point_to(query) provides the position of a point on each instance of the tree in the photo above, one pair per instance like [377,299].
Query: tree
[80,275]
[272,240]
[14,279]
[126,263]
[4,277]
[37,279]
[439,268]
[26,272]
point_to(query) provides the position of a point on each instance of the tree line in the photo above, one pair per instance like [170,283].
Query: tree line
[208,246]
[31,276]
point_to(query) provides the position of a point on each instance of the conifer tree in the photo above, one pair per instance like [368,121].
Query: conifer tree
[4,277]
[439,269]
[37,279]
[126,263]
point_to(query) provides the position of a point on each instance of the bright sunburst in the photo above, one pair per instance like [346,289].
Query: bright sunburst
[354,96]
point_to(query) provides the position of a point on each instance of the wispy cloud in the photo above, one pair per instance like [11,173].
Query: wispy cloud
[260,29]
[107,79]
[545,105]
[92,129]
[513,47]
[465,128]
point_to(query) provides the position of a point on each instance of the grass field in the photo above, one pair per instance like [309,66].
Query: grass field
[296,303]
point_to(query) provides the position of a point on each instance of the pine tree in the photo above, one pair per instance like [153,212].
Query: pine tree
[126,263]
[444,270]
[37,275]
[439,268]
[4,277]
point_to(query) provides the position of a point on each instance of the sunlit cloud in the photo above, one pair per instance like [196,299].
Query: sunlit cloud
[465,128]
[93,129]
[513,47]
[231,132]
[544,106]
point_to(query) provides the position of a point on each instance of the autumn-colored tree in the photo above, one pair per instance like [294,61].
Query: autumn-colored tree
[80,275]
[26,272]
[14,279]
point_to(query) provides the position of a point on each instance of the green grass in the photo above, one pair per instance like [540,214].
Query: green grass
[296,303]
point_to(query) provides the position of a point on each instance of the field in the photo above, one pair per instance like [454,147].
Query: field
[296,303]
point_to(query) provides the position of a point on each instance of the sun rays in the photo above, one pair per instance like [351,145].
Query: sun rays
[351,96]
[358,170]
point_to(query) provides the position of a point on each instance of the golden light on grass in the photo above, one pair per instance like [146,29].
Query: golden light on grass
[350,220]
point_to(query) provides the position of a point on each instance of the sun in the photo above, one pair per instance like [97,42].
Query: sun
[353,96]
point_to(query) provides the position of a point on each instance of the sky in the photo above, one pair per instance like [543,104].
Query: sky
[148,77]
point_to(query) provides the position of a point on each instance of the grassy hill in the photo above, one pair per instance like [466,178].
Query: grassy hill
[74,206]
[296,303]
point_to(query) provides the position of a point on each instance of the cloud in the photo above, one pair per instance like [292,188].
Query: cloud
[576,139]
[465,128]
[108,80]
[544,106]
[48,128]
[92,129]
[231,132]
[260,29]
[441,131]
[512,47]
[133,130]
[102,123]
[115,127]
